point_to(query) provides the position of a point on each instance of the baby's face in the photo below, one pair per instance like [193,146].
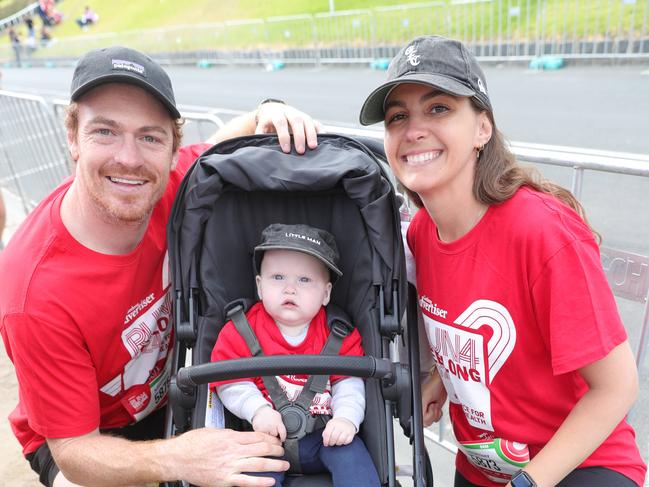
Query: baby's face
[293,286]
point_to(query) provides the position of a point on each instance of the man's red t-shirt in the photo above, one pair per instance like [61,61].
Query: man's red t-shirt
[89,334]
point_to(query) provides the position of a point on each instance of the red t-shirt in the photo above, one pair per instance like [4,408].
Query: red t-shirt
[513,309]
[230,345]
[89,334]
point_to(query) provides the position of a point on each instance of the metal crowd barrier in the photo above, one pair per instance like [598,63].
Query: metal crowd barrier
[494,29]
[18,17]
[33,152]
[33,159]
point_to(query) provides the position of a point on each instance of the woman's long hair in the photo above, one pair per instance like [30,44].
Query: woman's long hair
[498,176]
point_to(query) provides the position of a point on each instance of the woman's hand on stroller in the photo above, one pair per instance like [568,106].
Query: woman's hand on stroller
[339,431]
[433,397]
[284,120]
[267,420]
[219,457]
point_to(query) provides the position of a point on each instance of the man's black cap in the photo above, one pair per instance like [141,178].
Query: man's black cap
[437,61]
[119,64]
[302,238]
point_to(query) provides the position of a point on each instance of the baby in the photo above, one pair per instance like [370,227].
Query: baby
[296,266]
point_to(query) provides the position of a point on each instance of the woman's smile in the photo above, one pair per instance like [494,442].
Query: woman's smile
[421,158]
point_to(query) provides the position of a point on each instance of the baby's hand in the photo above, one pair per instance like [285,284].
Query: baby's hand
[339,431]
[267,420]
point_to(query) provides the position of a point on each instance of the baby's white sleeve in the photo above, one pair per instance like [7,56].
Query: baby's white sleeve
[242,399]
[348,400]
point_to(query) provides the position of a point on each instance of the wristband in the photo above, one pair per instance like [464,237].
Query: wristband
[267,100]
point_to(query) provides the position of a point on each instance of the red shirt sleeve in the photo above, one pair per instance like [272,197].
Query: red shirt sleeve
[56,376]
[575,307]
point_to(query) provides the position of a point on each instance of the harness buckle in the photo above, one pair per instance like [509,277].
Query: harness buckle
[296,420]
[341,329]
[233,308]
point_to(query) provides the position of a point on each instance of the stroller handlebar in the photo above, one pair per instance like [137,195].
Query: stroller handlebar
[192,376]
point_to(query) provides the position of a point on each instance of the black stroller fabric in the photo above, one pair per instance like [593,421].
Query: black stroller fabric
[239,187]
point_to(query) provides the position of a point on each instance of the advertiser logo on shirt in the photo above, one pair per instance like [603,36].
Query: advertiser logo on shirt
[428,305]
[134,310]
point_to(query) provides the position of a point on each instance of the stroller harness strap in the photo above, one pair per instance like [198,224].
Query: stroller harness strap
[295,414]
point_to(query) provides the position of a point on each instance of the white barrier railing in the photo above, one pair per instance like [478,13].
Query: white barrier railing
[18,17]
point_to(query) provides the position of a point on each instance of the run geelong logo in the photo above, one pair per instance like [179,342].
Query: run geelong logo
[129,66]
[135,309]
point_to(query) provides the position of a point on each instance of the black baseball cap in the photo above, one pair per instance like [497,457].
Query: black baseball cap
[437,61]
[119,64]
[302,238]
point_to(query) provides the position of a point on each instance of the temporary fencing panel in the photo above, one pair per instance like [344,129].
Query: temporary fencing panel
[33,154]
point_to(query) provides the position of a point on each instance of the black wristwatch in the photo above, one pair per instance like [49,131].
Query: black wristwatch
[267,100]
[272,100]
[522,479]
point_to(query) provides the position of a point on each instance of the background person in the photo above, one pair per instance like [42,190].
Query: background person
[295,265]
[16,45]
[85,303]
[520,319]
[46,36]
[89,17]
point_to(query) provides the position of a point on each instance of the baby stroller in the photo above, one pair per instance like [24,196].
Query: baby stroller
[235,190]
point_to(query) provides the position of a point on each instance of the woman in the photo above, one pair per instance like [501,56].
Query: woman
[521,322]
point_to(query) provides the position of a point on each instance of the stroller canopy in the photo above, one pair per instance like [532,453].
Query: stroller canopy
[238,187]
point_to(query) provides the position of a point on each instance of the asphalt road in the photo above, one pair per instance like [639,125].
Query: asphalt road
[598,107]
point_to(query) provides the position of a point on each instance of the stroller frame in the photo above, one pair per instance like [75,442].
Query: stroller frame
[343,175]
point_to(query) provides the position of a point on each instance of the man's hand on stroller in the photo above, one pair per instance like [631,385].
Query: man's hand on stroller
[339,431]
[218,457]
[285,120]
[267,420]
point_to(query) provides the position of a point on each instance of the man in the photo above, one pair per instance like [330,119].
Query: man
[85,303]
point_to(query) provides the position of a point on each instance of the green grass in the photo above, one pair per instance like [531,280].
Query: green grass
[9,7]
[125,15]
[194,24]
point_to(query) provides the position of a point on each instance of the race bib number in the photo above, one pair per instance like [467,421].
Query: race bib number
[143,399]
[497,459]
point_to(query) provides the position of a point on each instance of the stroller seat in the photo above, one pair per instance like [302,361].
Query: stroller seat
[235,190]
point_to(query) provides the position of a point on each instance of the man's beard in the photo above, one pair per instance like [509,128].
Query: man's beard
[118,210]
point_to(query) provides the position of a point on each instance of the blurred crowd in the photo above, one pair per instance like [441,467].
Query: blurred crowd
[25,41]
